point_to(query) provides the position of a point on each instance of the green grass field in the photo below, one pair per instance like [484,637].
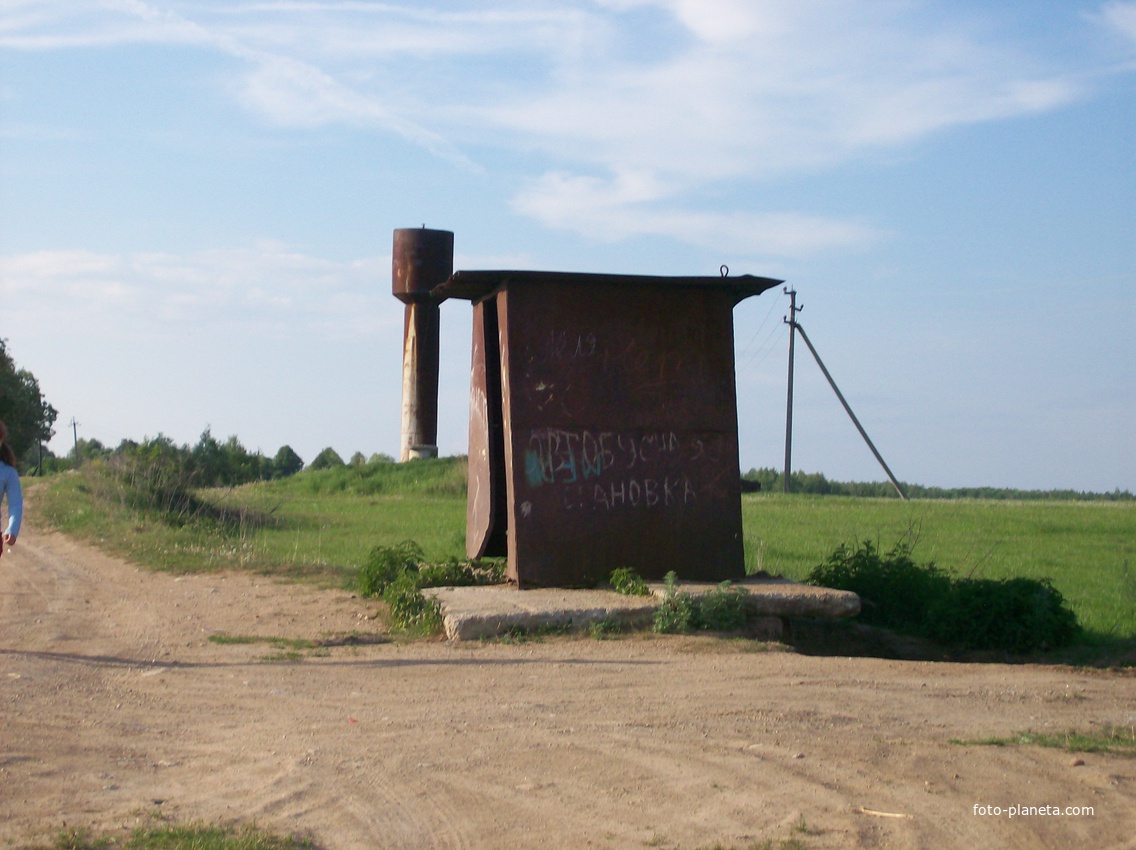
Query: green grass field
[1086,548]
[321,525]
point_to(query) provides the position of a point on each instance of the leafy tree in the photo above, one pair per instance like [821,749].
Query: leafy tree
[22,406]
[209,460]
[89,450]
[327,459]
[226,464]
[286,463]
[358,459]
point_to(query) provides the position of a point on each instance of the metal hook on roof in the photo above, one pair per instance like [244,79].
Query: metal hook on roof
[725,270]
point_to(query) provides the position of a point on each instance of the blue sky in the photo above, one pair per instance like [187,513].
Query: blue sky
[197,201]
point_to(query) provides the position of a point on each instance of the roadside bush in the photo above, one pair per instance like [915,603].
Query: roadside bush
[896,593]
[385,564]
[398,574]
[720,610]
[628,582]
[1014,615]
[409,609]
[675,613]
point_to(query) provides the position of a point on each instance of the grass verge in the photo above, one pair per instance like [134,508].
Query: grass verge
[187,837]
[1114,740]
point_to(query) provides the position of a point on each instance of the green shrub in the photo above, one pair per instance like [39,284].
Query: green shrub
[675,613]
[385,564]
[1015,615]
[398,574]
[895,592]
[720,610]
[409,609]
[628,582]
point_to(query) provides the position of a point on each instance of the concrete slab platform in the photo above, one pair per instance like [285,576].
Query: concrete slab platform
[472,613]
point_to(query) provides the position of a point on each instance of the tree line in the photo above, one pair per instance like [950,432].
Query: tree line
[208,463]
[211,463]
[815,483]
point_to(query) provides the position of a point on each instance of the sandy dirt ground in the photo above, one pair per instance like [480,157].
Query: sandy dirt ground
[114,706]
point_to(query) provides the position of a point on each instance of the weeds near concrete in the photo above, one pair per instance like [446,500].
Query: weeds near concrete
[628,582]
[720,610]
[675,613]
[398,574]
[604,629]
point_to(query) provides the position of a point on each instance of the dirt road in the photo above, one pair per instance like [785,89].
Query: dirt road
[114,705]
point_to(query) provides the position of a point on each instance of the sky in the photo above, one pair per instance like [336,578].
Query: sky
[197,202]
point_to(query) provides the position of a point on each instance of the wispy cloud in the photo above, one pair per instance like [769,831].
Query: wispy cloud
[1120,17]
[262,288]
[728,91]
[632,204]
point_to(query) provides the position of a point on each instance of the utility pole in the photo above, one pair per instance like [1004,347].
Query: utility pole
[791,321]
[794,329]
[75,433]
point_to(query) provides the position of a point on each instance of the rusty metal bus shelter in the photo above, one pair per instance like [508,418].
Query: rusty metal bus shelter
[603,424]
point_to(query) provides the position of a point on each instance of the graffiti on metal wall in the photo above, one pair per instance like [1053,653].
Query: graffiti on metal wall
[609,470]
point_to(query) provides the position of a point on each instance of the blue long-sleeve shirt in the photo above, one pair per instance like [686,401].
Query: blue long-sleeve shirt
[10,488]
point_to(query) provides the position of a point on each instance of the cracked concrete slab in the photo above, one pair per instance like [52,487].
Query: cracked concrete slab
[472,613]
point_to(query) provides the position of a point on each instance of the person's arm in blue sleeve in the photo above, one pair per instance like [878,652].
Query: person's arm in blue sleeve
[15,497]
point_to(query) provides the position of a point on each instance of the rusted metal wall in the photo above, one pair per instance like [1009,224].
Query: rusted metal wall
[618,425]
[486,507]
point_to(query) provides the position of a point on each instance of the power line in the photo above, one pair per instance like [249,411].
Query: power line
[767,347]
[794,328]
[772,307]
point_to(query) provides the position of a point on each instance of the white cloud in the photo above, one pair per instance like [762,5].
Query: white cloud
[1121,18]
[62,24]
[291,93]
[613,210]
[249,290]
